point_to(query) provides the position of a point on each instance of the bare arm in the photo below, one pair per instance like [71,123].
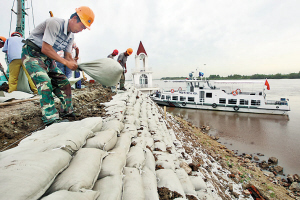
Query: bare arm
[76,54]
[49,51]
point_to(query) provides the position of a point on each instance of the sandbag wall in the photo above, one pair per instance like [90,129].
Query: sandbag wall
[130,154]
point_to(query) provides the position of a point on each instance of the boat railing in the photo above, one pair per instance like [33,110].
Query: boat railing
[273,102]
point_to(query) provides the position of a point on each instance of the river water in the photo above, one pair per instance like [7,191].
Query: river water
[271,135]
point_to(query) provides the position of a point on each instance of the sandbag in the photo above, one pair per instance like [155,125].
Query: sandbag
[68,195]
[82,172]
[132,185]
[167,178]
[113,164]
[186,183]
[113,124]
[110,187]
[105,71]
[104,140]
[135,157]
[28,176]
[149,184]
[23,84]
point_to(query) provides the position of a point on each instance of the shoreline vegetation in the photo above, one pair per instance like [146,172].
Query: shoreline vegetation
[237,77]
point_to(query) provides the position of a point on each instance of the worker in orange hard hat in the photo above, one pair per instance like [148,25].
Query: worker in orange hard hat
[113,54]
[122,59]
[39,56]
[2,41]
[13,50]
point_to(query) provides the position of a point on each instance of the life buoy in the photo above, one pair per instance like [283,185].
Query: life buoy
[183,104]
[277,107]
[236,108]
[234,92]
[179,89]
[214,105]
[238,90]
[172,90]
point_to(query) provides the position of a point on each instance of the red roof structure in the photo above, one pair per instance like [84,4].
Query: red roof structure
[141,49]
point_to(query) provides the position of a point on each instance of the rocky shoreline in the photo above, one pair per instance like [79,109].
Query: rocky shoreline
[20,120]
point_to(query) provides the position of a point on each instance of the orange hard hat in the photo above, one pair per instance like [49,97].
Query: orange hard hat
[16,34]
[86,16]
[129,51]
[2,39]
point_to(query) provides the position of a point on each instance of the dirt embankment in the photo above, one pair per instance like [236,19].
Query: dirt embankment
[19,120]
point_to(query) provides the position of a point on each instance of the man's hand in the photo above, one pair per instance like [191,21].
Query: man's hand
[71,65]
[125,70]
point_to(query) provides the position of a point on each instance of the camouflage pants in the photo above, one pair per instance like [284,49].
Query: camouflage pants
[48,78]
[122,80]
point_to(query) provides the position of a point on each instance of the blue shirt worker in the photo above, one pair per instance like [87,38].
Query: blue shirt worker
[13,50]
[122,59]
[40,53]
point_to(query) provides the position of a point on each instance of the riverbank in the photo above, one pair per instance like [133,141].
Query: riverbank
[19,120]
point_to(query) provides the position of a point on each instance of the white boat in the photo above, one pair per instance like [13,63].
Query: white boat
[201,94]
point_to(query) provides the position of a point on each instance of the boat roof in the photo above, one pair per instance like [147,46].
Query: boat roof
[239,82]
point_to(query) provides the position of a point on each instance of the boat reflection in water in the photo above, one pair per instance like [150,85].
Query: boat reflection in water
[250,133]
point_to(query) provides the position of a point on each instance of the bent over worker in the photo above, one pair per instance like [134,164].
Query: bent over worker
[13,50]
[113,54]
[39,56]
[122,59]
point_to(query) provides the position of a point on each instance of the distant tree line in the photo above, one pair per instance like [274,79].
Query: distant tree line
[237,76]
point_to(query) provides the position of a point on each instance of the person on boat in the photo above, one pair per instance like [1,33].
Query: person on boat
[13,50]
[39,56]
[113,54]
[122,60]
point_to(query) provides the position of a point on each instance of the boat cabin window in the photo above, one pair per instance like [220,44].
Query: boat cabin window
[168,97]
[162,96]
[244,102]
[208,95]
[255,102]
[192,99]
[231,101]
[222,100]
[175,98]
[182,98]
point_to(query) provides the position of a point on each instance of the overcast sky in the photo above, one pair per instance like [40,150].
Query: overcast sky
[213,36]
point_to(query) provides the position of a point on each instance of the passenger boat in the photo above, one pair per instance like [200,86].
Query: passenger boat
[201,94]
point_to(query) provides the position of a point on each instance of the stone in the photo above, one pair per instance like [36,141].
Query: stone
[295,187]
[246,192]
[269,174]
[186,168]
[248,156]
[264,164]
[273,160]
[296,178]
[256,158]
[290,178]
[278,168]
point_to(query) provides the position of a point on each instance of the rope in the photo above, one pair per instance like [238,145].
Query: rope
[32,15]
[39,128]
[11,16]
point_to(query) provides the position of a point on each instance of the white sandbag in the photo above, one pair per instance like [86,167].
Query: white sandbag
[28,176]
[110,187]
[105,140]
[186,183]
[135,157]
[205,194]
[131,128]
[132,185]
[113,164]
[160,146]
[113,124]
[105,71]
[68,195]
[149,160]
[164,159]
[198,182]
[149,184]
[167,178]
[82,172]
[23,84]
[123,143]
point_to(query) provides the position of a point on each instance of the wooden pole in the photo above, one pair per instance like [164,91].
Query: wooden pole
[18,101]
[165,111]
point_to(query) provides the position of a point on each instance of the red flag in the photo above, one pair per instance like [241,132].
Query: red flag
[267,84]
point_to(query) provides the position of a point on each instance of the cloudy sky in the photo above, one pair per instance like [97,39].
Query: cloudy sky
[213,36]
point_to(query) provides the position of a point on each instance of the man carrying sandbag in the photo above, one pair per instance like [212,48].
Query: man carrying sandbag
[39,56]
[122,60]
[113,54]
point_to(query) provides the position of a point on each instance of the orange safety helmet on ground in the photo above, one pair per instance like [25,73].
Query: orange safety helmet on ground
[116,52]
[16,34]
[2,39]
[129,51]
[86,16]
